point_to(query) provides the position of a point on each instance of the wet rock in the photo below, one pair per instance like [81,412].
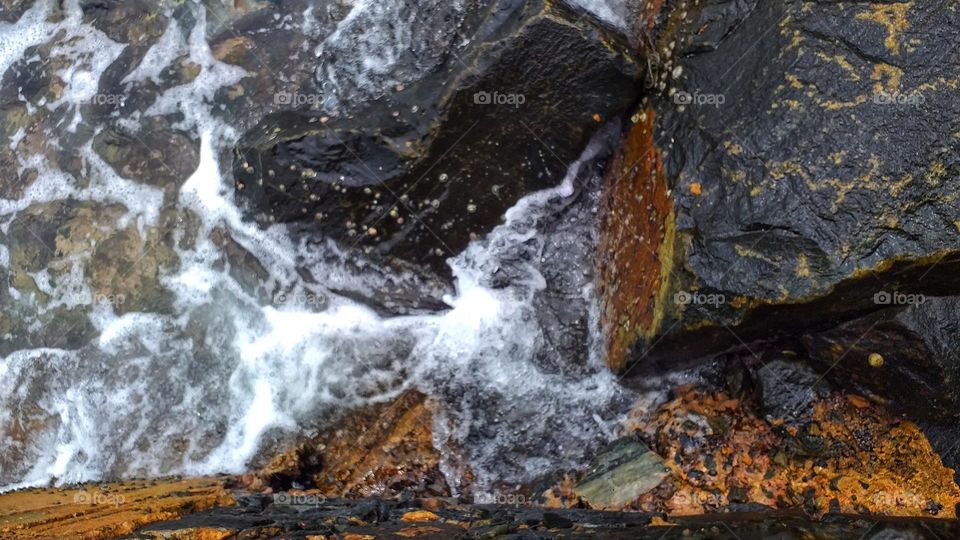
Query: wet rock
[13,9]
[66,257]
[108,510]
[381,450]
[620,474]
[425,164]
[788,389]
[918,344]
[905,357]
[201,508]
[808,159]
[634,255]
[136,22]
[155,154]
[867,459]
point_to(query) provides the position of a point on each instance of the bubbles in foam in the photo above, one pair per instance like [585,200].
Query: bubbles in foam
[195,100]
[90,52]
[31,30]
[162,54]
[369,51]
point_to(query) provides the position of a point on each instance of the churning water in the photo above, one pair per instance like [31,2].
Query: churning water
[142,332]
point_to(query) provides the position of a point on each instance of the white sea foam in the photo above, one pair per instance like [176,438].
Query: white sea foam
[200,384]
[30,30]
[160,55]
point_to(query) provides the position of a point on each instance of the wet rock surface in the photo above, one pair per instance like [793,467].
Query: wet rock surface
[905,357]
[724,224]
[811,156]
[430,163]
[788,388]
[728,446]
[105,511]
[620,474]
[258,517]
[380,451]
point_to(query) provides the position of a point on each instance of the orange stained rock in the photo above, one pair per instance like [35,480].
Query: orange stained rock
[420,515]
[413,532]
[636,220]
[866,460]
[375,451]
[90,512]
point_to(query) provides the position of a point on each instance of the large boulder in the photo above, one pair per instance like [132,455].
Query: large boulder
[792,163]
[432,152]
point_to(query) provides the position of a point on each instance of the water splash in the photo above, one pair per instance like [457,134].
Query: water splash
[231,338]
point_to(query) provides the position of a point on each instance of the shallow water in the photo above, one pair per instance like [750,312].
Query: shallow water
[151,330]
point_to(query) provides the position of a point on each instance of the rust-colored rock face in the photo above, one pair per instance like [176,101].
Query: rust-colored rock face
[853,457]
[94,511]
[636,237]
[377,451]
[848,455]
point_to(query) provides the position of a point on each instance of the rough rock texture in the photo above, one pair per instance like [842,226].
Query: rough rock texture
[788,388]
[920,371]
[49,242]
[637,234]
[905,357]
[743,440]
[620,474]
[91,512]
[379,451]
[432,519]
[811,149]
[426,165]
[848,456]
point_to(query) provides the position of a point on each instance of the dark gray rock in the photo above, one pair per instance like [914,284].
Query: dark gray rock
[788,389]
[812,152]
[269,515]
[920,350]
[484,114]
[914,369]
